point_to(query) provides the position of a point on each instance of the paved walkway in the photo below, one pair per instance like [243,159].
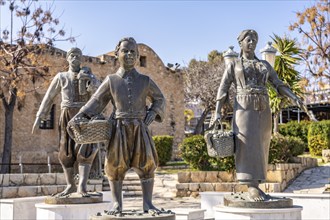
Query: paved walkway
[313,180]
[164,195]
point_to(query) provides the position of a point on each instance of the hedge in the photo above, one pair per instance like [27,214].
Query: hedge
[164,147]
[319,137]
[293,128]
[283,148]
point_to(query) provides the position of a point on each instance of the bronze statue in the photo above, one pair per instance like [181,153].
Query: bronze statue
[252,118]
[131,144]
[75,86]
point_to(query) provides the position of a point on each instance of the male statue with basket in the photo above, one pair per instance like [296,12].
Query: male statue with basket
[130,144]
[76,87]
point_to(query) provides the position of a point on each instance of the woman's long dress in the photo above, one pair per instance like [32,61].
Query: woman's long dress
[252,119]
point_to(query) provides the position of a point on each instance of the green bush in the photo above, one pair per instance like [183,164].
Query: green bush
[194,152]
[295,129]
[164,148]
[283,148]
[319,137]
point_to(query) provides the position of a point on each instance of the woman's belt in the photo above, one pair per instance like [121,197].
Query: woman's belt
[252,91]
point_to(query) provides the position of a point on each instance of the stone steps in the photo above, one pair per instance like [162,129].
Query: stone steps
[132,193]
[132,182]
[42,190]
[131,188]
[131,185]
[30,191]
[41,184]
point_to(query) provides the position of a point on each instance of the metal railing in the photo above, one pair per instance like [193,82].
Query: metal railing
[21,165]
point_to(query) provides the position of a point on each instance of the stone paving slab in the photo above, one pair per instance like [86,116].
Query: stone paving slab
[313,180]
[166,203]
[163,195]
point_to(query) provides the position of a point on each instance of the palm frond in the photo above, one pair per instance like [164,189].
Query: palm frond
[285,62]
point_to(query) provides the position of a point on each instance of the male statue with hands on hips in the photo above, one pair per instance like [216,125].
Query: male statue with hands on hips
[131,144]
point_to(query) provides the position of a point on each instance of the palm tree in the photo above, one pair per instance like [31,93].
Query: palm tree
[288,57]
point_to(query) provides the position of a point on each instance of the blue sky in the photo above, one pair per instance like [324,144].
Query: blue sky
[177,30]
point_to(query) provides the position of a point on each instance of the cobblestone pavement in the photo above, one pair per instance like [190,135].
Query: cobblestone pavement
[313,180]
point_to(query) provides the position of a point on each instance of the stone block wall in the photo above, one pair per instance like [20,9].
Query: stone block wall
[278,177]
[38,184]
[326,155]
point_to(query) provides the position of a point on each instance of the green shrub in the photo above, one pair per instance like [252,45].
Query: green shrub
[194,152]
[283,148]
[164,148]
[319,137]
[223,164]
[295,129]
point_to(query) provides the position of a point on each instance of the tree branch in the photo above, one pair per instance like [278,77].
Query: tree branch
[4,101]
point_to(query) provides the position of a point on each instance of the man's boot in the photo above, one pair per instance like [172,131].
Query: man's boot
[147,189]
[117,196]
[84,170]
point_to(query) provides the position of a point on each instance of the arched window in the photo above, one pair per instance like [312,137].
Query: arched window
[143,61]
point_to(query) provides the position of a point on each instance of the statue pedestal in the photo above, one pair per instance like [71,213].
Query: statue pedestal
[134,215]
[69,211]
[241,200]
[224,212]
[19,208]
[75,198]
[189,214]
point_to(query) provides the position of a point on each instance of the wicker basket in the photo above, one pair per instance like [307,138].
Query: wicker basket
[219,143]
[84,131]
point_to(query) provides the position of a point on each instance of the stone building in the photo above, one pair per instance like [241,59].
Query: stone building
[37,148]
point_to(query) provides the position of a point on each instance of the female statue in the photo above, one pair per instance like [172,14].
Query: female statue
[252,118]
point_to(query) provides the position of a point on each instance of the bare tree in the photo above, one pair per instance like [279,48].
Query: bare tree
[201,83]
[21,60]
[314,26]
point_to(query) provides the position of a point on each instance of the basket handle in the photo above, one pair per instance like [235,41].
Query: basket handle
[217,122]
[215,125]
[70,132]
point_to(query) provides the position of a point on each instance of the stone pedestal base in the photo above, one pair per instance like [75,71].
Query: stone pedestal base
[189,214]
[241,200]
[75,198]
[229,213]
[70,211]
[19,208]
[134,215]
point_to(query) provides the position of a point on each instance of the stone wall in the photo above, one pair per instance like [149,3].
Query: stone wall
[36,148]
[33,184]
[278,177]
